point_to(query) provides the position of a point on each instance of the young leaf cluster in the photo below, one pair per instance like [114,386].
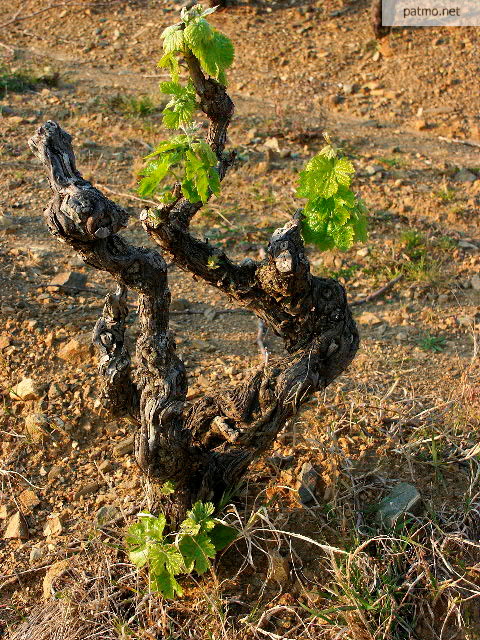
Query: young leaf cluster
[333,216]
[187,160]
[195,35]
[192,548]
[184,158]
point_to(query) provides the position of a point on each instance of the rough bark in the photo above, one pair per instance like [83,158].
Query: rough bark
[207,448]
[376,20]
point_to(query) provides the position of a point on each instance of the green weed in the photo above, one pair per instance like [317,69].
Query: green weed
[198,540]
[432,343]
[132,106]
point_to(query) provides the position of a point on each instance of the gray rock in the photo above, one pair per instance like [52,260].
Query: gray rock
[106,515]
[87,489]
[475,282]
[403,499]
[210,314]
[7,224]
[68,280]
[464,175]
[180,304]
[309,479]
[36,554]
[464,244]
[124,446]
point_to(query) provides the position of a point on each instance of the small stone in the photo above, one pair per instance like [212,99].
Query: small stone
[464,244]
[370,170]
[87,489]
[16,527]
[28,499]
[36,554]
[279,567]
[464,175]
[369,318]
[420,124]
[475,282]
[77,350]
[272,143]
[27,389]
[54,527]
[69,280]
[180,304]
[106,515]
[55,571]
[210,314]
[36,425]
[124,446]
[336,99]
[466,321]
[309,479]
[403,499]
[55,472]
[7,225]
[105,466]
[55,391]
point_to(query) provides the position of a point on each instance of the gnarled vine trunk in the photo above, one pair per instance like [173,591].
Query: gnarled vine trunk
[207,448]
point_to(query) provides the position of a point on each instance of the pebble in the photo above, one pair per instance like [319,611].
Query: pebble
[124,446]
[27,389]
[28,499]
[36,425]
[7,225]
[475,282]
[16,527]
[55,571]
[106,514]
[36,554]
[404,498]
[87,489]
[180,304]
[68,280]
[55,472]
[54,527]
[309,479]
[369,318]
[105,466]
[77,350]
[464,175]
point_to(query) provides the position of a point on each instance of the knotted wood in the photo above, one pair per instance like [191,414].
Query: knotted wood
[205,449]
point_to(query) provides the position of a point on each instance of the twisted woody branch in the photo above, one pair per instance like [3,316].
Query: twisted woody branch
[207,448]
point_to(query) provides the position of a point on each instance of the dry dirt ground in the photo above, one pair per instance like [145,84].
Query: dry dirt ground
[406,410]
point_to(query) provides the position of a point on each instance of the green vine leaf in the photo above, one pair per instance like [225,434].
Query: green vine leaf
[198,34]
[215,56]
[198,540]
[196,552]
[333,216]
[173,40]
[182,106]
